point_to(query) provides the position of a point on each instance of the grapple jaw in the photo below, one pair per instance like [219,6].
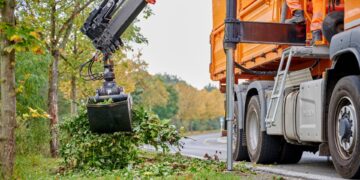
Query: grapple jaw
[110,117]
[109,110]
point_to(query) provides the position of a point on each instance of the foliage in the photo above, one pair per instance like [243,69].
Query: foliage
[31,81]
[35,167]
[153,131]
[198,125]
[130,71]
[23,39]
[32,134]
[150,92]
[169,79]
[82,149]
[213,102]
[187,104]
[151,166]
[162,165]
[199,105]
[190,103]
[210,87]
[171,108]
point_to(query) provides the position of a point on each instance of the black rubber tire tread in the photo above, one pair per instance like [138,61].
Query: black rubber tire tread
[332,23]
[290,154]
[268,148]
[348,86]
[240,153]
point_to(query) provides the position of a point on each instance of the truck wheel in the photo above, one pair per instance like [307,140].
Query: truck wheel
[344,125]
[262,148]
[290,154]
[240,152]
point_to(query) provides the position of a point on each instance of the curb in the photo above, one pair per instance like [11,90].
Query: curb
[293,174]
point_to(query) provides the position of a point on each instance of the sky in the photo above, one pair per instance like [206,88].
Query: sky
[179,43]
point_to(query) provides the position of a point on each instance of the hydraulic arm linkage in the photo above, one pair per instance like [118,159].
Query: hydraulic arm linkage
[110,109]
[108,22]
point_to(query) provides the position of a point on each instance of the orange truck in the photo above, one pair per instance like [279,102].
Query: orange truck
[291,97]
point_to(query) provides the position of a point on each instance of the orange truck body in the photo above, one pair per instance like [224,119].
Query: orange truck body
[352,14]
[312,101]
[265,57]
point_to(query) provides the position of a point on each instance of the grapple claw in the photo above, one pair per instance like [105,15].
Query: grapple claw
[112,117]
[109,110]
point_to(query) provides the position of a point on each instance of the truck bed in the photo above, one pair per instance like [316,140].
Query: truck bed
[262,57]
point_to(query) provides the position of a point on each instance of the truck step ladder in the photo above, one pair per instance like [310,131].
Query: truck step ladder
[281,76]
[279,87]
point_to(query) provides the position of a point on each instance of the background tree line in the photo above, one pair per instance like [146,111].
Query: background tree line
[41,51]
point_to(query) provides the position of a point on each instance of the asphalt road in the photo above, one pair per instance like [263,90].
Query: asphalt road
[310,167]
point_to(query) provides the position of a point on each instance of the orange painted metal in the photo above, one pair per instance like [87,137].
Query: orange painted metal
[352,13]
[219,13]
[257,56]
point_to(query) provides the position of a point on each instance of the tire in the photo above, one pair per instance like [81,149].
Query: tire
[262,148]
[333,24]
[344,125]
[290,154]
[240,152]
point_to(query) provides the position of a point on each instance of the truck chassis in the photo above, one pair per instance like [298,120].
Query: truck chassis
[276,122]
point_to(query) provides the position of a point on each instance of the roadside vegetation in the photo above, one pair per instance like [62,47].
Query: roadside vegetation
[151,165]
[85,155]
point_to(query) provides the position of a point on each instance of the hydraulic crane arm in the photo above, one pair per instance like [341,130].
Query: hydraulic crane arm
[110,109]
[108,22]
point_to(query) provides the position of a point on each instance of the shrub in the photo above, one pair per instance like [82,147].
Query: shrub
[32,133]
[82,149]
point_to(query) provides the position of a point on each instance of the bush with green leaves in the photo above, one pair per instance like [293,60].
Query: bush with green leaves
[82,149]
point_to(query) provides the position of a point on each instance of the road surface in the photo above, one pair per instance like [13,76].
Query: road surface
[310,167]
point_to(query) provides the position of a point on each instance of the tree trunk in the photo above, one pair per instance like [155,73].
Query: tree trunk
[8,97]
[73,79]
[53,103]
[73,96]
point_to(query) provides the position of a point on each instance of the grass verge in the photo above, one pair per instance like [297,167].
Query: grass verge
[151,166]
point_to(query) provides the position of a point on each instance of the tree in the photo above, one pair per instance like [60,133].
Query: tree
[210,87]
[32,132]
[55,19]
[150,92]
[75,54]
[189,102]
[214,104]
[8,94]
[169,79]
[170,109]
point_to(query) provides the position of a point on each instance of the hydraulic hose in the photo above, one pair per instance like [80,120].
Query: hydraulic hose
[266,73]
[259,73]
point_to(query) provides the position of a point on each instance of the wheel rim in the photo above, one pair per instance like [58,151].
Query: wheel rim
[346,123]
[253,130]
